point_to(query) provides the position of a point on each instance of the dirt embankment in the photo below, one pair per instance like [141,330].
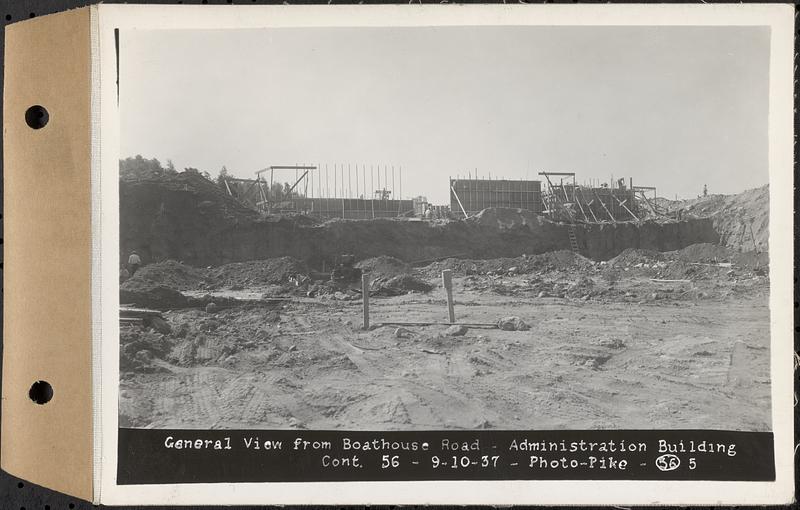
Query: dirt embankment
[188,218]
[730,212]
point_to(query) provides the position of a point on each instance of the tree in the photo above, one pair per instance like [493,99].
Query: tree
[138,167]
[276,192]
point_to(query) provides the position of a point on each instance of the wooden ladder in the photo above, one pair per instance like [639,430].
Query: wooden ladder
[573,238]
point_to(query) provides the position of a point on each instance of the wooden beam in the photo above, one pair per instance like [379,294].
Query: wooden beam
[447,281]
[365,298]
[457,200]
[604,205]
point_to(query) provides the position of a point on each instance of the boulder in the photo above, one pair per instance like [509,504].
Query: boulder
[512,323]
[456,330]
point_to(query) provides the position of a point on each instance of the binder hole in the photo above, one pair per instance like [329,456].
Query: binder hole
[32,15]
[20,485]
[41,392]
[36,116]
[72,505]
[8,17]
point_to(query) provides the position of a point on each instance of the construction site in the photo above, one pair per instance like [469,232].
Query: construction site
[327,300]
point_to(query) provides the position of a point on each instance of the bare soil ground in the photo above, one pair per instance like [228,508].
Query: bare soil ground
[608,348]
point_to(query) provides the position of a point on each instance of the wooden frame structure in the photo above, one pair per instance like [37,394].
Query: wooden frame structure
[566,200]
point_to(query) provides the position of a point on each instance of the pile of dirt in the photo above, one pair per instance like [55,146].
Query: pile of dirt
[544,262]
[730,212]
[257,273]
[384,266]
[635,256]
[703,252]
[139,348]
[199,338]
[400,284]
[156,297]
[169,273]
[172,216]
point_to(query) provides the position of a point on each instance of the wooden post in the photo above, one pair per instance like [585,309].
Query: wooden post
[447,281]
[365,296]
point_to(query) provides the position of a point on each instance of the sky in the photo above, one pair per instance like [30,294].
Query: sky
[671,107]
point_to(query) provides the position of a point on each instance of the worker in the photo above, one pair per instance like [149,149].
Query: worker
[705,190]
[134,261]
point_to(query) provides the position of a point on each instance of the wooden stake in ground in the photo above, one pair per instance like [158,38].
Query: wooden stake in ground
[447,281]
[365,297]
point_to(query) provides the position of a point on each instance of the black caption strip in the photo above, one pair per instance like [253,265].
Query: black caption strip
[148,456]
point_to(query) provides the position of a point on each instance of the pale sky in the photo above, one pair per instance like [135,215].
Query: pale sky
[672,107]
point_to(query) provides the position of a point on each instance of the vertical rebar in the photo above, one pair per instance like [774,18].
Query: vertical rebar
[401,182]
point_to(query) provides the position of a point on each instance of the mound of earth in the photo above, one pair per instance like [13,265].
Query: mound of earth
[384,266]
[634,256]
[138,348]
[730,212]
[400,284]
[704,253]
[156,297]
[168,273]
[257,273]
[550,261]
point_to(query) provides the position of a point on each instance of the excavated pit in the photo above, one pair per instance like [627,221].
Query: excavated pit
[188,218]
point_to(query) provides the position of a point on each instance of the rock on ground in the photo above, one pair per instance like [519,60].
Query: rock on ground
[456,330]
[512,324]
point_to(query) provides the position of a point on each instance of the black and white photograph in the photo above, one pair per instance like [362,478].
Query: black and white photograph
[445,228]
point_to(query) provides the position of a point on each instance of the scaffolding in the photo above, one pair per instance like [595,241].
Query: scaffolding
[335,191]
[566,200]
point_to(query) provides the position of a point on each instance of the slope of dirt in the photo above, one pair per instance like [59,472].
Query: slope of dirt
[172,216]
[256,273]
[556,260]
[384,266]
[729,212]
[168,273]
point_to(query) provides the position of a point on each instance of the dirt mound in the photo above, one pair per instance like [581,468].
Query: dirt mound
[634,256]
[562,259]
[171,216]
[550,261]
[384,266]
[157,297]
[730,212]
[400,284]
[257,273]
[703,252]
[139,348]
[168,273]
